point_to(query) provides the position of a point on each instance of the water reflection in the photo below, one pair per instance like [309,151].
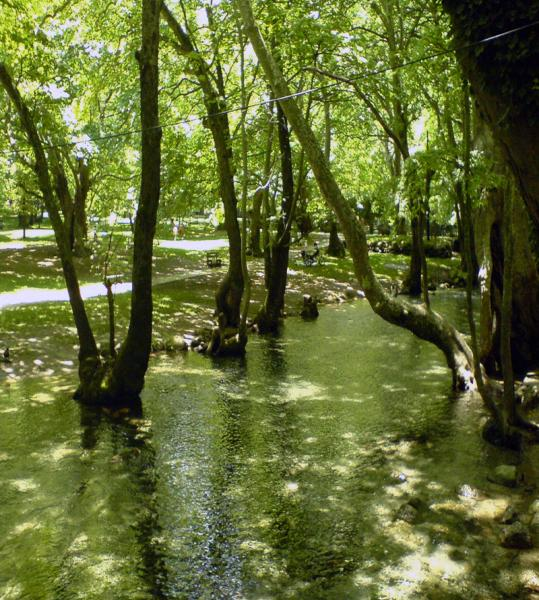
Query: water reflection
[222,559]
[279,475]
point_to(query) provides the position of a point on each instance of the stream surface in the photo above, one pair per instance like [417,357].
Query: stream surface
[275,476]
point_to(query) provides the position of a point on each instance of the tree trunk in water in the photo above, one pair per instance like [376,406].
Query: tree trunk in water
[254,236]
[503,76]
[525,295]
[426,324]
[229,294]
[335,246]
[89,361]
[261,192]
[413,279]
[127,377]
[271,312]
[505,326]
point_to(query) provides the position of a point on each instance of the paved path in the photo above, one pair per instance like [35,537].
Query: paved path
[91,290]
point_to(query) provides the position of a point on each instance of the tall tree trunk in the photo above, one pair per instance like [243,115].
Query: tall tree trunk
[424,323]
[503,76]
[89,361]
[261,192]
[271,312]
[229,294]
[525,294]
[80,223]
[335,246]
[241,338]
[507,299]
[413,279]
[127,378]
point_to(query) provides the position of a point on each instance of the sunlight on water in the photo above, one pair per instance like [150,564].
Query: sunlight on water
[281,475]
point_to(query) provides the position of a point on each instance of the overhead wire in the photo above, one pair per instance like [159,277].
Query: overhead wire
[312,90]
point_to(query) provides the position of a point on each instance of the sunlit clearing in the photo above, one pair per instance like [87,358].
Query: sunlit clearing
[36,295]
[201,245]
[43,398]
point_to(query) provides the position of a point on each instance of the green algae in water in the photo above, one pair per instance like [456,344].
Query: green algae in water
[274,476]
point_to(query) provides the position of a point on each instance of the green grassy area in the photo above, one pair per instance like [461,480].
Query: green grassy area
[37,265]
[184,289]
[386,266]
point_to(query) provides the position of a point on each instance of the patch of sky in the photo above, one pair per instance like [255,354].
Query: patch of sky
[55,92]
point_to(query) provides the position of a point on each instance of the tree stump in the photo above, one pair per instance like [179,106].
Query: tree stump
[310,307]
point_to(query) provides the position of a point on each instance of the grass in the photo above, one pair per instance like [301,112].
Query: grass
[184,289]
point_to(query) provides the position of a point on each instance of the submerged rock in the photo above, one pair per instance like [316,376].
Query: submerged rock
[509,516]
[407,513]
[467,491]
[410,510]
[505,475]
[492,433]
[516,536]
[534,523]
[399,477]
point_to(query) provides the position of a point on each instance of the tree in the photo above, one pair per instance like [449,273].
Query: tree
[119,380]
[228,296]
[503,76]
[127,376]
[425,323]
[279,247]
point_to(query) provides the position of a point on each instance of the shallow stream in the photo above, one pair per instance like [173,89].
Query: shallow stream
[276,476]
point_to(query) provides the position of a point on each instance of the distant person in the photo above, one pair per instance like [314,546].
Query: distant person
[181,230]
[175,230]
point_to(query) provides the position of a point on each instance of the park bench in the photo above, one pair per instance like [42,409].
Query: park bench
[213,259]
[311,257]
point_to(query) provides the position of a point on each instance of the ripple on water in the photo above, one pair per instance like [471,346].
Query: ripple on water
[278,475]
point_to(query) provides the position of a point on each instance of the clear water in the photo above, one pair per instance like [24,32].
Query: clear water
[276,476]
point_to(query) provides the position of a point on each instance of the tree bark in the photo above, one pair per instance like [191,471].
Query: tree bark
[229,294]
[503,76]
[335,245]
[271,312]
[82,188]
[525,294]
[507,299]
[261,192]
[424,323]
[127,377]
[413,278]
[89,361]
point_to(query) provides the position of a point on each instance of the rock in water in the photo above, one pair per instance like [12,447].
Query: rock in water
[504,475]
[516,536]
[509,516]
[467,491]
[310,307]
[406,513]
